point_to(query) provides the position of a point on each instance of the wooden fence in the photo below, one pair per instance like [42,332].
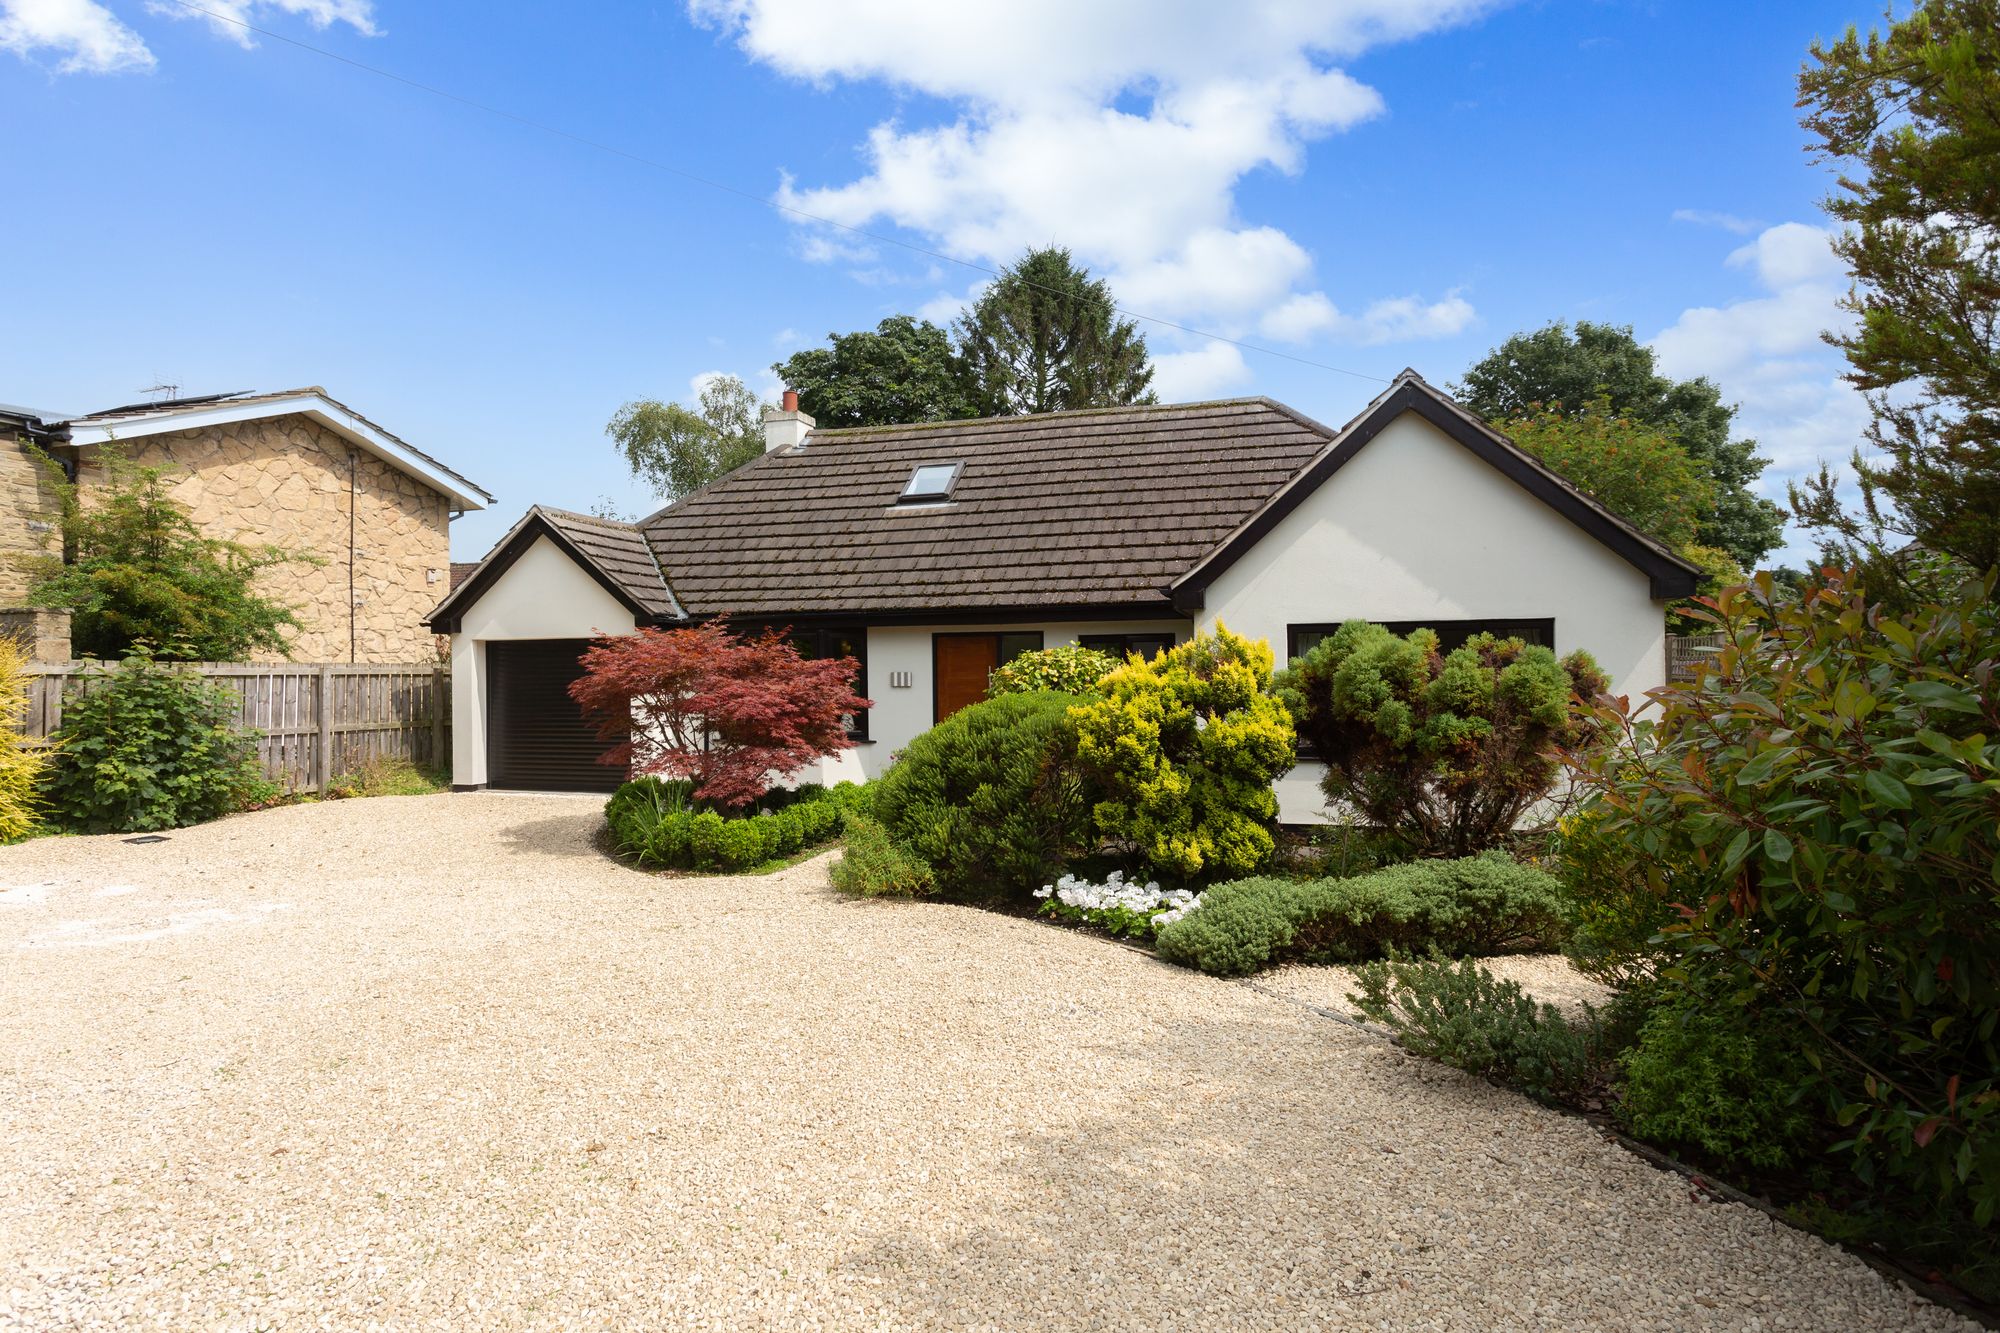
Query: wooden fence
[318,722]
[1684,650]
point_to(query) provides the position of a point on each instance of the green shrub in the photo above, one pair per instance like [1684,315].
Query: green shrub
[990,797]
[1070,669]
[1709,1078]
[1445,751]
[873,866]
[1462,1015]
[660,823]
[1479,905]
[1822,799]
[1185,748]
[147,746]
[22,765]
[1617,903]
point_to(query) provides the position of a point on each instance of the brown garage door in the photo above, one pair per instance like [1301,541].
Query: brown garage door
[536,738]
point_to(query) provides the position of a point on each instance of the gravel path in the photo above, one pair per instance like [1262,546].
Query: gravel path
[433,1063]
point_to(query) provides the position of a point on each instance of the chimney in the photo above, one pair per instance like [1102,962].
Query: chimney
[786,427]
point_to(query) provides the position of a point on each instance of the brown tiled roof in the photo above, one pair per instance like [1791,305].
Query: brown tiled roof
[619,550]
[1069,509]
[461,570]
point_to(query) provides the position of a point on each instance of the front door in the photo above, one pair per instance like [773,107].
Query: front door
[963,662]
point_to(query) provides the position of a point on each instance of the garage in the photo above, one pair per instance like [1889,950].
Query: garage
[537,739]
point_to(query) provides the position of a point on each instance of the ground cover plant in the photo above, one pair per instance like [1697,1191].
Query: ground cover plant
[991,798]
[1116,906]
[1444,752]
[663,824]
[1182,751]
[386,775]
[145,745]
[872,865]
[735,715]
[1475,905]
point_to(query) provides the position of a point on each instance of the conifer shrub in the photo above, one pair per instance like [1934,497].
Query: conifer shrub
[991,798]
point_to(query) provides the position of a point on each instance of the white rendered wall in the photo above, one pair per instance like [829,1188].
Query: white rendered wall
[900,715]
[1416,526]
[543,595]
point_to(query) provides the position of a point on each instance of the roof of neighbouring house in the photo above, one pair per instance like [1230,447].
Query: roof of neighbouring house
[1119,510]
[193,413]
[461,570]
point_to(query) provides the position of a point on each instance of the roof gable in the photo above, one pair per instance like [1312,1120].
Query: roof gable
[220,409]
[611,552]
[1668,575]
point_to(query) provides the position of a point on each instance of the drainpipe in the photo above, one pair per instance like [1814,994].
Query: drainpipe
[353,501]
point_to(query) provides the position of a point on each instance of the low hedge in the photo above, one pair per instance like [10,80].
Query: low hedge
[659,824]
[1477,905]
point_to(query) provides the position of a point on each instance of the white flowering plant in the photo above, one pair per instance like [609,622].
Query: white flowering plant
[1117,905]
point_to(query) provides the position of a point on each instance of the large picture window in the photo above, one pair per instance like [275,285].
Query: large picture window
[1299,639]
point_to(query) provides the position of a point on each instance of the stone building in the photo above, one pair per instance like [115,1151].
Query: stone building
[297,470]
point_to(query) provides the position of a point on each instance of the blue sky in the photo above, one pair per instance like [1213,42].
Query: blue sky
[1365,184]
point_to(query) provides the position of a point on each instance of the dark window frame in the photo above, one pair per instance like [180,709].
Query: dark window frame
[1119,646]
[1538,630]
[821,635]
[1040,637]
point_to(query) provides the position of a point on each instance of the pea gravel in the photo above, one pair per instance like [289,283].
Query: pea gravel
[435,1063]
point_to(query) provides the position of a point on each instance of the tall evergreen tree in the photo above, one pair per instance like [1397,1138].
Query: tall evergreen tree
[1046,337]
[1913,118]
[1600,366]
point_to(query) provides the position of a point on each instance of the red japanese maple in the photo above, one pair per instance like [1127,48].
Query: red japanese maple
[732,712]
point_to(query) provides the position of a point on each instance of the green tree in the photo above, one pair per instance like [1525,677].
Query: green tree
[905,370]
[1046,337]
[1913,118]
[1556,369]
[136,570]
[676,449]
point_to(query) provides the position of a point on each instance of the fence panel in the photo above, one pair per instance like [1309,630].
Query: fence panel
[1685,650]
[319,721]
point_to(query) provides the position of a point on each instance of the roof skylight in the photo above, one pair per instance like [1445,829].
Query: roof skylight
[931,483]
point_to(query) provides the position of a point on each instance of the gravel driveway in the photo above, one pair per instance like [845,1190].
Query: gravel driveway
[434,1062]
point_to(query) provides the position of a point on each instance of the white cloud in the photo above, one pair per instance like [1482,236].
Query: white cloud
[1392,320]
[1207,371]
[87,37]
[356,14]
[1766,354]
[1119,128]
[1705,217]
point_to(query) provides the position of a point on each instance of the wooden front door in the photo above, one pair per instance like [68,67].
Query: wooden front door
[963,663]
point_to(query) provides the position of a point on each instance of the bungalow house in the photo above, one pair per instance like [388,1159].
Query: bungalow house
[296,469]
[932,553]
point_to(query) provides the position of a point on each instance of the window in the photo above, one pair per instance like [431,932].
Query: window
[1121,646]
[931,483]
[962,665]
[1299,639]
[849,641]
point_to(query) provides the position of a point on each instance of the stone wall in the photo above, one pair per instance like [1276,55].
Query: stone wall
[27,519]
[285,481]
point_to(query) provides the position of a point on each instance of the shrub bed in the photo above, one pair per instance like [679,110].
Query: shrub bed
[659,823]
[1116,906]
[873,866]
[1476,905]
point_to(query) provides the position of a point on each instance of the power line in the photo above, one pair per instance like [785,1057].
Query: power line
[739,192]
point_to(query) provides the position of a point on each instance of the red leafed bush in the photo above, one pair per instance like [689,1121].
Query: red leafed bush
[730,712]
